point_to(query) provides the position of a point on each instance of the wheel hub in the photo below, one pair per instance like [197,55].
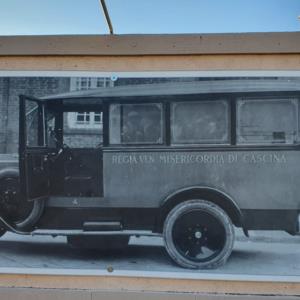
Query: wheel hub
[9,195]
[10,198]
[198,234]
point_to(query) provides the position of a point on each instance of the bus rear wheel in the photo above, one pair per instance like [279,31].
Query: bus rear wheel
[198,235]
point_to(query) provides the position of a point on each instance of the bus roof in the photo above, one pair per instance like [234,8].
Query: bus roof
[184,88]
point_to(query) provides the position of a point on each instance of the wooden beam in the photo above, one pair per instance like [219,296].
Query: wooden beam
[151,284]
[172,44]
[226,62]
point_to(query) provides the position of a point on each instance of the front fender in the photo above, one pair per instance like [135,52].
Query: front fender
[9,172]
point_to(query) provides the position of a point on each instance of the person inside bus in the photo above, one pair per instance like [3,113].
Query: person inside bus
[151,129]
[132,131]
[141,128]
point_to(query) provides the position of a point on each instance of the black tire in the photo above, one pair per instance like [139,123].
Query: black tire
[198,235]
[12,207]
[9,196]
[2,232]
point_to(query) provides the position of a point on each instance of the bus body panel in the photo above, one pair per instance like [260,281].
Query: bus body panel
[253,179]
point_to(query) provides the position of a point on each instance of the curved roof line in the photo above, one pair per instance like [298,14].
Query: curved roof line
[184,88]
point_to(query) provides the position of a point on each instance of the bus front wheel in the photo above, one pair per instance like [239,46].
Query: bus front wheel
[2,231]
[198,234]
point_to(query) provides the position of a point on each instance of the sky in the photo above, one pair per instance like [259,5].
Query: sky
[41,17]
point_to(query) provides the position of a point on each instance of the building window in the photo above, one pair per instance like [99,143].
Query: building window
[83,83]
[87,119]
[267,121]
[201,122]
[87,83]
[98,118]
[103,82]
[83,118]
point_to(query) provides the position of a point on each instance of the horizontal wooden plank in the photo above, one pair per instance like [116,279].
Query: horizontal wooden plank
[151,284]
[165,44]
[63,294]
[117,64]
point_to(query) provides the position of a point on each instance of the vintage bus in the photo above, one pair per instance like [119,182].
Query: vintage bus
[188,161]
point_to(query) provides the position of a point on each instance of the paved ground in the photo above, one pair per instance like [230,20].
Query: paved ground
[261,255]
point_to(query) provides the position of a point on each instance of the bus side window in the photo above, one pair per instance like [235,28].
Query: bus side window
[136,124]
[267,121]
[201,122]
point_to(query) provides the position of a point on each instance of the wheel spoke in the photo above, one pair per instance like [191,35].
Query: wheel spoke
[195,251]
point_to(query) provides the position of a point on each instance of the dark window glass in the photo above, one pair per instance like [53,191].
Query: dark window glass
[50,127]
[136,124]
[80,118]
[267,121]
[205,122]
[83,117]
[98,118]
[32,124]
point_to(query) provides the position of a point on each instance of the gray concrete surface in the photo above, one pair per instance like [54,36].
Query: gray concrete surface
[250,257]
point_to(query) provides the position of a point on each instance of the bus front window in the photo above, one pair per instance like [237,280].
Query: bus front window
[83,129]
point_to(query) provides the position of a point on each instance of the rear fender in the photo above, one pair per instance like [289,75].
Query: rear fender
[211,194]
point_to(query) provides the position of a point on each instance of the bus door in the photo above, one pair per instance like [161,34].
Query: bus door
[33,153]
[82,153]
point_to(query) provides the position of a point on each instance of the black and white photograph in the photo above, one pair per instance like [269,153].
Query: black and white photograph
[149,149]
[185,172]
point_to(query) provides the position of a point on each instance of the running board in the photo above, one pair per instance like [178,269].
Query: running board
[60,232]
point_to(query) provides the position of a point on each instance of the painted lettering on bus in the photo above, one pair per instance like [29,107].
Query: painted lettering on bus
[132,159]
[192,159]
[264,158]
[183,158]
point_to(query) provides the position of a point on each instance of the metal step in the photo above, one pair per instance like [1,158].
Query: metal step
[102,226]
